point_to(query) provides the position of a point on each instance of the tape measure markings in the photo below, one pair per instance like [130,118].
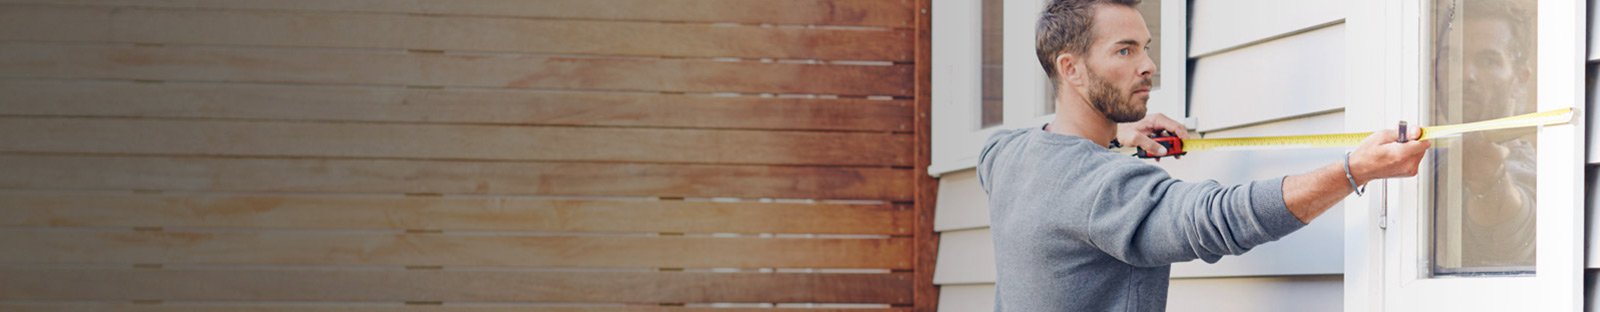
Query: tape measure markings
[1545,118]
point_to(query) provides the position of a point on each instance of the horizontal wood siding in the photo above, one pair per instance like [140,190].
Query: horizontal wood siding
[462,155]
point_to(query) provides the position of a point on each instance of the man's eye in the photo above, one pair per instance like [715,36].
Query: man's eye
[1124,51]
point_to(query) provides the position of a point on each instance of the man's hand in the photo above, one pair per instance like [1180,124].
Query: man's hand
[1484,163]
[1138,133]
[1380,156]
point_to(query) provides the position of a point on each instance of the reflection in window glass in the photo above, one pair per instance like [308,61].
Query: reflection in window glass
[1483,183]
[1151,11]
[993,74]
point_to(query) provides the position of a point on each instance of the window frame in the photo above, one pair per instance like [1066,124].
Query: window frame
[1387,262]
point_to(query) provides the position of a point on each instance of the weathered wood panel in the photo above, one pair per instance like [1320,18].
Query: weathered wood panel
[457,142]
[401,68]
[446,249]
[293,155]
[875,13]
[312,212]
[448,285]
[445,33]
[448,105]
[331,176]
[333,307]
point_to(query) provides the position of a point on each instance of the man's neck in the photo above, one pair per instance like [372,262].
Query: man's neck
[1074,117]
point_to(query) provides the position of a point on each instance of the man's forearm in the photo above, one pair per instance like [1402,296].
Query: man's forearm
[1380,155]
[1310,194]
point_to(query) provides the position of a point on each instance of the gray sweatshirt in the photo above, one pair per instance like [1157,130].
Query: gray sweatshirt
[1078,227]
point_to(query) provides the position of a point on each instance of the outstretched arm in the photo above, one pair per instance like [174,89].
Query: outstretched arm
[1310,194]
[1149,219]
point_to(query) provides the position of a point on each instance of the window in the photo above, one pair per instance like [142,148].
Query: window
[993,112]
[1483,204]
[1464,233]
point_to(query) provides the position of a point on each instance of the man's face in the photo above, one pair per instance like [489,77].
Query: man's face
[1117,70]
[1492,80]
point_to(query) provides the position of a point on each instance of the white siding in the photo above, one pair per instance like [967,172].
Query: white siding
[1592,241]
[1220,25]
[1292,76]
[965,267]
[1594,31]
[966,298]
[1593,93]
[962,203]
[1269,68]
[1295,293]
[1591,290]
[970,256]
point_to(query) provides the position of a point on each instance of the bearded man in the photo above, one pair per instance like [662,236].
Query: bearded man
[1078,227]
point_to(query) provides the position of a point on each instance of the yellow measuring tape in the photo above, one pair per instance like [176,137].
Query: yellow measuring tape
[1545,118]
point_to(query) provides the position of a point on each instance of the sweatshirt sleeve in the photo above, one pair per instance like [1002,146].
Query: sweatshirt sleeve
[1142,216]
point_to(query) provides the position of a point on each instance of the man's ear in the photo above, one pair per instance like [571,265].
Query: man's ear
[1067,69]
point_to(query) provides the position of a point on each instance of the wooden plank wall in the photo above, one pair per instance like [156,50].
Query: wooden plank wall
[464,155]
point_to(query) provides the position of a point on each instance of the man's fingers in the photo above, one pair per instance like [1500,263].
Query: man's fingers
[1417,146]
[1177,128]
[1150,146]
[1172,126]
[1380,137]
[1156,122]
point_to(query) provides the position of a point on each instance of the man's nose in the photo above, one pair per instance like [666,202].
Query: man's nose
[1148,68]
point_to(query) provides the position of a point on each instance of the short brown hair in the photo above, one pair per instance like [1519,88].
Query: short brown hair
[1517,18]
[1067,26]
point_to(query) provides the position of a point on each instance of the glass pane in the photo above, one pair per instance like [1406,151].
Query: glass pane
[1151,10]
[993,74]
[1483,62]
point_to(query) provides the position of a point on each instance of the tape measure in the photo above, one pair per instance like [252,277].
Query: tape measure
[1178,147]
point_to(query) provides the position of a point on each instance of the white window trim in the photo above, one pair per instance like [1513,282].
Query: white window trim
[957,84]
[956,80]
[1382,266]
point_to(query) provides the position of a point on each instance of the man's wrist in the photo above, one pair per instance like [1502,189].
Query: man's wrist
[1357,186]
[1359,169]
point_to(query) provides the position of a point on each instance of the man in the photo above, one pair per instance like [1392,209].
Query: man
[1078,227]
